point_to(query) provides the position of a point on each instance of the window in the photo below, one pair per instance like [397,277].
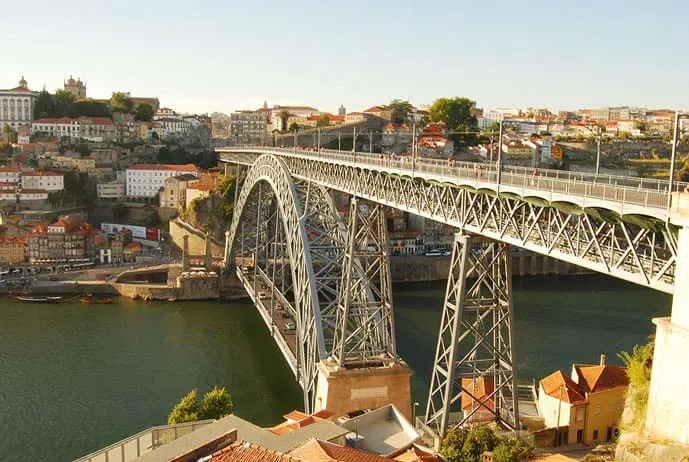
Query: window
[596,410]
[595,434]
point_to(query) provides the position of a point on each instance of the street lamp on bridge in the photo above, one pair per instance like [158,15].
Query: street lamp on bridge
[673,155]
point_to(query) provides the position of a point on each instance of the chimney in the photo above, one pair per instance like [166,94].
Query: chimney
[602,360]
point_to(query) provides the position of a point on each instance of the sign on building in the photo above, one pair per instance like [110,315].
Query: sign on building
[546,152]
[556,152]
[138,232]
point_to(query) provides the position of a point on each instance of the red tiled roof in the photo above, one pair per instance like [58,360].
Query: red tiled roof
[9,170]
[298,108]
[596,378]
[13,240]
[295,415]
[481,388]
[21,89]
[241,451]
[322,451]
[48,173]
[95,120]
[202,185]
[34,191]
[560,386]
[166,167]
[133,245]
[48,120]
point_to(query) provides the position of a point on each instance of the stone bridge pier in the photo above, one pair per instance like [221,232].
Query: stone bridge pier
[667,414]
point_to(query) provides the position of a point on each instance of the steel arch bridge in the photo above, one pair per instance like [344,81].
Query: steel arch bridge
[333,277]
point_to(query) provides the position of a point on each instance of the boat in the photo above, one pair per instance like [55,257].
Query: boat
[89,299]
[37,299]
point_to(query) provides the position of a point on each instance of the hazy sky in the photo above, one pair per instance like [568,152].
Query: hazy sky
[203,56]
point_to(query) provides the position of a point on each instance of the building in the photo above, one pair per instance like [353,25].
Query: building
[17,105]
[10,175]
[146,180]
[480,409]
[113,190]
[13,249]
[198,190]
[48,181]
[172,127]
[76,87]
[247,128]
[174,191]
[95,129]
[395,138]
[586,406]
[65,240]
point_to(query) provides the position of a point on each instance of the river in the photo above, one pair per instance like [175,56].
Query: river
[74,378]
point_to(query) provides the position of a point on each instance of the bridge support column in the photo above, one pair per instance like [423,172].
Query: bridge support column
[668,407]
[474,376]
[364,370]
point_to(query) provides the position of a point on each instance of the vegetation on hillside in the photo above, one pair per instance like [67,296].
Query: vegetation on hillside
[638,364]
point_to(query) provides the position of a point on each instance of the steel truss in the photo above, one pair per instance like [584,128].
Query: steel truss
[592,240]
[475,340]
[365,322]
[291,231]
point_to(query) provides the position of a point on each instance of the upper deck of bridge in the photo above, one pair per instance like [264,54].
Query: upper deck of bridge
[625,195]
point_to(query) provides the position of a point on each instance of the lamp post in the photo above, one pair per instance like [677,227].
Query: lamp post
[499,154]
[413,413]
[673,157]
[598,134]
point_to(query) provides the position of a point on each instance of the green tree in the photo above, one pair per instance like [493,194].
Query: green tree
[323,121]
[144,112]
[187,410]
[511,450]
[8,133]
[63,101]
[478,440]
[458,116]
[401,110]
[216,403]
[44,105]
[284,116]
[452,445]
[89,107]
[121,102]
[294,127]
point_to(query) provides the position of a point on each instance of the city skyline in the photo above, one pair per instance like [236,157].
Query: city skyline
[323,55]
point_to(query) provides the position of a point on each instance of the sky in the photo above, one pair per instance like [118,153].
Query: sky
[204,56]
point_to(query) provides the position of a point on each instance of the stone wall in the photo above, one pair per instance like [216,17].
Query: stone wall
[197,239]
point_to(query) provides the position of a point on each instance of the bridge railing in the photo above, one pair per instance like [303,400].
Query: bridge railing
[617,188]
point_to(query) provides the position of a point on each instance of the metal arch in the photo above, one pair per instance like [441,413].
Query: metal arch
[310,338]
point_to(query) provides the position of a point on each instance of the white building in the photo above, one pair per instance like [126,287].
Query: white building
[59,127]
[49,181]
[174,127]
[16,106]
[96,129]
[112,190]
[10,175]
[145,180]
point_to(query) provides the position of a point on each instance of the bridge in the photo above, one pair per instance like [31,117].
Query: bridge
[330,279]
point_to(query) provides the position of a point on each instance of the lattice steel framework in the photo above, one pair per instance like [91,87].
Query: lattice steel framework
[475,340]
[290,232]
[601,243]
[365,322]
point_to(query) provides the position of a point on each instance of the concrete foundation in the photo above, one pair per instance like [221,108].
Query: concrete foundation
[342,391]
[668,407]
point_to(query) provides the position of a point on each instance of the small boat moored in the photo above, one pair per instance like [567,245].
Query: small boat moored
[37,299]
[92,299]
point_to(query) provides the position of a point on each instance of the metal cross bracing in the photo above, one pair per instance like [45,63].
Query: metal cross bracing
[289,244]
[365,332]
[475,340]
[620,248]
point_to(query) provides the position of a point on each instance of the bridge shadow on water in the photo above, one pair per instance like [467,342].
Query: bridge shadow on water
[559,320]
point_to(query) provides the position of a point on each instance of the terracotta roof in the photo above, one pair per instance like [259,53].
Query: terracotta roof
[593,379]
[166,167]
[298,108]
[295,415]
[202,185]
[34,191]
[241,451]
[375,109]
[133,245]
[322,451]
[95,120]
[481,388]
[49,173]
[9,170]
[560,386]
[13,240]
[60,120]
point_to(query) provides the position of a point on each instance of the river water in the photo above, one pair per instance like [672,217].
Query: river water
[75,378]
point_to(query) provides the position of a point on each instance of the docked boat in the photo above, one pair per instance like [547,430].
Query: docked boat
[37,299]
[95,300]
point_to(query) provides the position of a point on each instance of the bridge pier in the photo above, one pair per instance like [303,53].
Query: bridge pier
[667,413]
[474,374]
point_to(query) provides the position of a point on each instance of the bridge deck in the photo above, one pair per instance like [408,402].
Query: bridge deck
[621,194]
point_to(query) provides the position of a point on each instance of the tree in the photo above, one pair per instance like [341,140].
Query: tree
[294,127]
[119,211]
[144,112]
[187,410]
[89,107]
[458,116]
[216,403]
[468,445]
[401,110]
[323,121]
[284,116]
[8,133]
[120,102]
[43,106]
[63,101]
